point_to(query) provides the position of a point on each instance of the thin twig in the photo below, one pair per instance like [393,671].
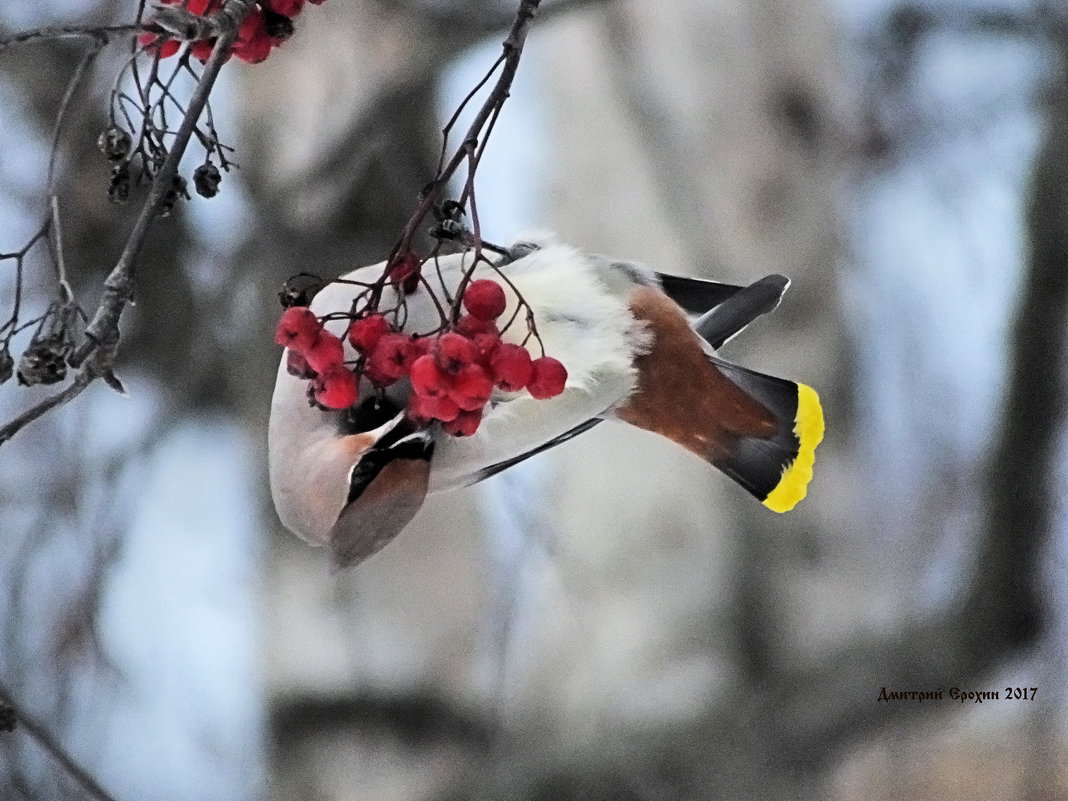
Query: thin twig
[19,257]
[513,51]
[49,743]
[118,287]
[61,116]
[57,251]
[83,379]
[95,356]
[105,32]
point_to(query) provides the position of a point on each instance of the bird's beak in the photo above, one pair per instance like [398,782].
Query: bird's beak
[386,488]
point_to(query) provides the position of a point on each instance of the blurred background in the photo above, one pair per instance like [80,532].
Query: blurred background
[610,620]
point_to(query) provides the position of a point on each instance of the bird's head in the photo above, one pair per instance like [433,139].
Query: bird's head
[353,490]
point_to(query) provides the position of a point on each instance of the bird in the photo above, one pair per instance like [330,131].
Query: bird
[639,347]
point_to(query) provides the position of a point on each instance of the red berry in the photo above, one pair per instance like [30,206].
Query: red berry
[427,378]
[325,353]
[198,7]
[440,408]
[365,332]
[202,7]
[470,326]
[201,50]
[297,365]
[454,351]
[487,345]
[298,328]
[465,424]
[548,379]
[390,359]
[150,41]
[404,271]
[511,367]
[336,388]
[483,333]
[253,43]
[485,299]
[417,346]
[287,8]
[470,388]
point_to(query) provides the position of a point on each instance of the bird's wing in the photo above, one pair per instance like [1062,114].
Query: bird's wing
[723,322]
[494,469]
[696,295]
[387,487]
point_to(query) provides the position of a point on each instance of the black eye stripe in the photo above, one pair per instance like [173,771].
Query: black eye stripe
[420,446]
[369,415]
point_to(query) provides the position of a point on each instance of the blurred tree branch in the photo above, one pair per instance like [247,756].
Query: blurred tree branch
[101,33]
[1000,612]
[450,29]
[42,737]
[807,714]
[473,19]
[96,354]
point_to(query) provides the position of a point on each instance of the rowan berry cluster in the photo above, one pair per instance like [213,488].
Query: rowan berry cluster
[268,24]
[452,373]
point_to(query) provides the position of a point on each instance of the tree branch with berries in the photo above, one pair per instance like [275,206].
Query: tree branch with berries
[152,126]
[145,149]
[476,348]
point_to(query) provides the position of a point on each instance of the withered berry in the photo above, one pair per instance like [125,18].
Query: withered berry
[114,143]
[7,364]
[297,365]
[206,179]
[119,185]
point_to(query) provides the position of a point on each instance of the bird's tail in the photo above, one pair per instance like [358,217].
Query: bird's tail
[776,468]
[760,430]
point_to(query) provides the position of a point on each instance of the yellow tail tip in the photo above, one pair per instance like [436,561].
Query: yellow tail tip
[793,486]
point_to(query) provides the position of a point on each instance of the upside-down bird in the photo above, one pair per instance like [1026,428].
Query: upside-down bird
[638,347]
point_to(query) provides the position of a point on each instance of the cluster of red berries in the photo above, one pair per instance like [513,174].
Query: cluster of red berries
[267,25]
[452,373]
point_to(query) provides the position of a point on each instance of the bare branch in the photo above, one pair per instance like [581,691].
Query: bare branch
[1001,611]
[479,18]
[104,33]
[49,743]
[118,287]
[513,51]
[102,332]
[61,116]
[84,378]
